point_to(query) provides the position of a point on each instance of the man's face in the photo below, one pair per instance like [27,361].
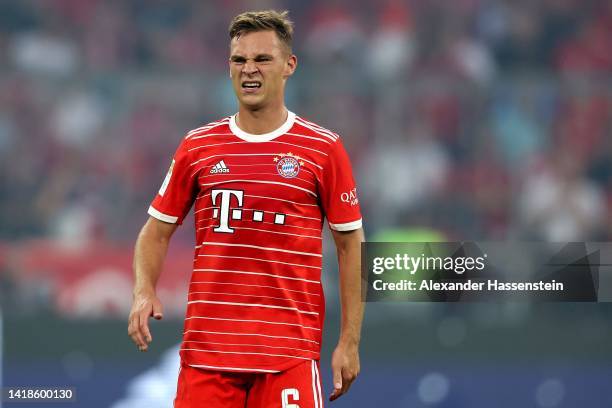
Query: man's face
[259,66]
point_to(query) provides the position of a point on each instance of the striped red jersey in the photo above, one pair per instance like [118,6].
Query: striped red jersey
[255,298]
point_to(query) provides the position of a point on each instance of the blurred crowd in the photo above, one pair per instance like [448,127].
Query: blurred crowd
[464,119]
[478,119]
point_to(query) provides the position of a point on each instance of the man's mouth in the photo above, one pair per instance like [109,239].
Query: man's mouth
[251,85]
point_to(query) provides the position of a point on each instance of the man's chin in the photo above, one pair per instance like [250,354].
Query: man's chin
[251,102]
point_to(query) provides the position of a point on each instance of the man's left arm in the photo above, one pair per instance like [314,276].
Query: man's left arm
[345,359]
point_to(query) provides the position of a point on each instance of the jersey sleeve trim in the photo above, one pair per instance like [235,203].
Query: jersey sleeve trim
[348,226]
[161,216]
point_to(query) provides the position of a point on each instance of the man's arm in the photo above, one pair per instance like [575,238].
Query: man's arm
[149,254]
[345,359]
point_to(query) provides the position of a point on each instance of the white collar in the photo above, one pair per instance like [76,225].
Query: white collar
[266,137]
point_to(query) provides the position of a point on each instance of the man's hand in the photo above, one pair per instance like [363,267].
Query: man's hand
[149,254]
[145,305]
[345,360]
[345,368]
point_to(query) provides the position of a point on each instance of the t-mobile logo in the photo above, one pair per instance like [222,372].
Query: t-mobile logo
[225,210]
[226,198]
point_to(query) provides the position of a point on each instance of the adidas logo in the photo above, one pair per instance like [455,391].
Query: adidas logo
[219,168]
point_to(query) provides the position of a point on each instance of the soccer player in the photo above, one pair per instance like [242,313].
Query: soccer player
[261,183]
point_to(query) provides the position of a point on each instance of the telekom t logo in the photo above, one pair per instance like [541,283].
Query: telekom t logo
[226,198]
[229,206]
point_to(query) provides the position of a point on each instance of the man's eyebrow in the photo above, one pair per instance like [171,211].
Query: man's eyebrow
[237,57]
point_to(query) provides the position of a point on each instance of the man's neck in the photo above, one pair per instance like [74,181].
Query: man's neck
[262,121]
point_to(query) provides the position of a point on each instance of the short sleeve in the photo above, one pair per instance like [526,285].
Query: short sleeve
[177,192]
[339,192]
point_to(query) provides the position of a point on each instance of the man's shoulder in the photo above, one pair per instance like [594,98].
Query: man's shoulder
[313,129]
[220,126]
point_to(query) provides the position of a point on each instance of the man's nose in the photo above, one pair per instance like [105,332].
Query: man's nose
[249,67]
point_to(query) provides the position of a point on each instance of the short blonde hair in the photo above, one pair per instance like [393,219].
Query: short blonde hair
[251,21]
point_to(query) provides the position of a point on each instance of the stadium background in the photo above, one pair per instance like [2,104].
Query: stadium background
[465,119]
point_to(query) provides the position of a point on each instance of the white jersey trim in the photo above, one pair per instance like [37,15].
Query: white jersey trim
[215,302]
[270,231]
[253,173]
[268,212]
[263,248]
[301,147]
[215,144]
[318,382]
[232,368]
[208,126]
[250,334]
[348,226]
[245,154]
[200,136]
[288,214]
[280,199]
[250,345]
[270,223]
[335,135]
[244,142]
[308,137]
[266,137]
[161,216]
[320,132]
[258,286]
[242,352]
[251,320]
[261,259]
[314,386]
[254,273]
[249,295]
[260,182]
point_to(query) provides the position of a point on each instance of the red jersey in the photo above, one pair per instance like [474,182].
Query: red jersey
[255,298]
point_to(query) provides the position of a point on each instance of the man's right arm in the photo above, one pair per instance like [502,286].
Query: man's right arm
[149,255]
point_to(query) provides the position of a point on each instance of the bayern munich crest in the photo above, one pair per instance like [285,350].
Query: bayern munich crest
[288,165]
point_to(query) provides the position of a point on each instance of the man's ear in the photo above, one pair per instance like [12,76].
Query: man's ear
[291,65]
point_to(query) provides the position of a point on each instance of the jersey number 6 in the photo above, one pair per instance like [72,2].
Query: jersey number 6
[285,397]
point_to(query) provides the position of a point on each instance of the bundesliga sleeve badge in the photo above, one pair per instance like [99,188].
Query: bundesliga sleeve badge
[164,185]
[288,165]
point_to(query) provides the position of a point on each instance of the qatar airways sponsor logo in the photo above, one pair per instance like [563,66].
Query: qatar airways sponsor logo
[350,197]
